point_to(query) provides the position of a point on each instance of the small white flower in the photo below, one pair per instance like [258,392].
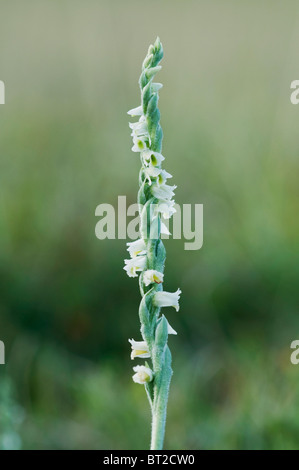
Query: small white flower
[151,158]
[151,275]
[139,128]
[143,375]
[163,176]
[165,208]
[139,349]
[164,191]
[151,172]
[138,247]
[135,264]
[140,143]
[136,111]
[168,299]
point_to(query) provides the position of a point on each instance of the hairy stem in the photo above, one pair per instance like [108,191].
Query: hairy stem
[159,409]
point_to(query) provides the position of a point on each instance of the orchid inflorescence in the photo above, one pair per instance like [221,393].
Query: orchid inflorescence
[147,254]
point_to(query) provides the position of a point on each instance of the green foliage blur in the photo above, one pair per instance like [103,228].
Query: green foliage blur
[231,141]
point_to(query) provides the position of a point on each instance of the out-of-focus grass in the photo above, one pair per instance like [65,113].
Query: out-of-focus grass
[231,142]
[222,397]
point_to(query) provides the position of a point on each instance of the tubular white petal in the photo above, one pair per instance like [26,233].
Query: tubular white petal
[166,209]
[151,276]
[135,264]
[164,191]
[168,299]
[138,247]
[139,349]
[138,344]
[135,111]
[139,129]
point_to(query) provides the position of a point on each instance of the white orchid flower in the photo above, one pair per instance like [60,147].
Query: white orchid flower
[165,208]
[163,176]
[151,158]
[139,128]
[163,191]
[137,247]
[143,375]
[168,299]
[139,349]
[140,143]
[151,172]
[135,264]
[151,275]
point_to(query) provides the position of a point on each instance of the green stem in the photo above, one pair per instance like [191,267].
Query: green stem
[158,426]
[159,409]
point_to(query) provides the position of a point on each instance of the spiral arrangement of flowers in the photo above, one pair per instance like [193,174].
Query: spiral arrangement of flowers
[147,254]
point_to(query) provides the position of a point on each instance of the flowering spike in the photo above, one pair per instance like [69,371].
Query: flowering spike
[148,253]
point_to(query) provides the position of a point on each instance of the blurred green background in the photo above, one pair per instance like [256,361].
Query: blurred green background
[231,141]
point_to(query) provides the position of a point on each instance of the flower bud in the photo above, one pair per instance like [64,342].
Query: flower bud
[143,375]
